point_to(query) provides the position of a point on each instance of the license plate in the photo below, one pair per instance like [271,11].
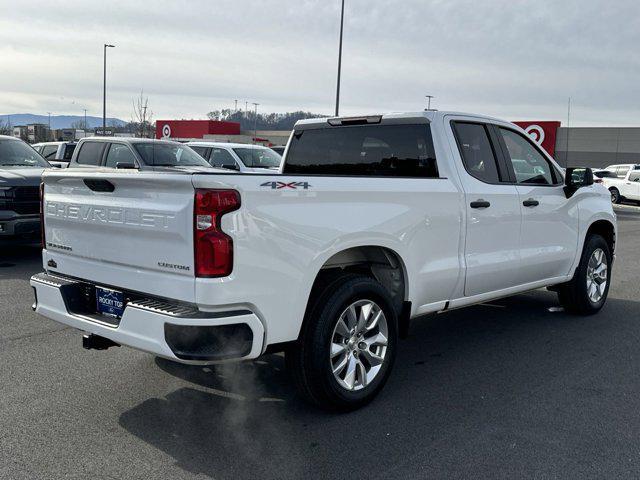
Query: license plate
[109,302]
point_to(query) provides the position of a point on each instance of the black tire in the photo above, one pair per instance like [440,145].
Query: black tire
[615,195]
[309,359]
[573,295]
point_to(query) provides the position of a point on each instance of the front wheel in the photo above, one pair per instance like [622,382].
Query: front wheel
[347,347]
[587,292]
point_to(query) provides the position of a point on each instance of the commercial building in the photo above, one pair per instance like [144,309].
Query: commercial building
[217,131]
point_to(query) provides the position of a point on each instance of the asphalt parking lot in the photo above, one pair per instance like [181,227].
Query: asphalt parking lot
[504,390]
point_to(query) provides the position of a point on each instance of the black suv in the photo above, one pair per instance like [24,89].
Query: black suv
[21,170]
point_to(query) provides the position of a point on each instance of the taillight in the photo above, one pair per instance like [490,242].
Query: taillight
[213,249]
[42,238]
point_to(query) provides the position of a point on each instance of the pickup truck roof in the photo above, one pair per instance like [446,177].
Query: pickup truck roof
[425,116]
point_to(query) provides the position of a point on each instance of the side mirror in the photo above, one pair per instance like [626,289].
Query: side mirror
[576,178]
[231,166]
[56,165]
[125,165]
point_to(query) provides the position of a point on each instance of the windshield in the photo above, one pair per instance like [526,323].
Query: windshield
[258,157]
[15,153]
[169,155]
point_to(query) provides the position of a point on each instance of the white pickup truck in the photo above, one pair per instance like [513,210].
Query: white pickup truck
[623,181]
[372,222]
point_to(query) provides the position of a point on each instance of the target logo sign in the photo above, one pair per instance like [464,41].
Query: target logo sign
[542,133]
[166,130]
[536,132]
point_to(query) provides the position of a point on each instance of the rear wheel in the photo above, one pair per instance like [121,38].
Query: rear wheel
[347,347]
[615,195]
[587,292]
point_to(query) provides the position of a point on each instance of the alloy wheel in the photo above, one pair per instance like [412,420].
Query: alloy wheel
[359,345]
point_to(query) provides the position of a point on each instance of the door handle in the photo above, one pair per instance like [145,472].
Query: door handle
[530,202]
[480,203]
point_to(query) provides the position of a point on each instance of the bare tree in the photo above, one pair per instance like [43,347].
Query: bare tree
[5,127]
[142,115]
[78,124]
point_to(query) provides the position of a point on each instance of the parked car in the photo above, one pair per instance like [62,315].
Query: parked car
[21,170]
[133,153]
[374,221]
[598,175]
[279,149]
[238,156]
[57,154]
[623,182]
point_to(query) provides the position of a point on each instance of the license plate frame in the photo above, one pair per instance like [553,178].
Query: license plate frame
[109,302]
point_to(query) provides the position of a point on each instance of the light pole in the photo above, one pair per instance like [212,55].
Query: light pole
[255,121]
[85,119]
[104,90]
[339,60]
[429,97]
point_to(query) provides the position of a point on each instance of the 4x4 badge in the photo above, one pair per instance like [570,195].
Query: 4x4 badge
[281,185]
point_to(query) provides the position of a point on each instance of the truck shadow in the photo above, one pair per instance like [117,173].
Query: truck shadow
[457,375]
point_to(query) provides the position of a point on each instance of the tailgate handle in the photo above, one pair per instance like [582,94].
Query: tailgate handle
[98,185]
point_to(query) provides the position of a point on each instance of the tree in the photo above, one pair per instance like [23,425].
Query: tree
[5,127]
[142,116]
[263,121]
[78,124]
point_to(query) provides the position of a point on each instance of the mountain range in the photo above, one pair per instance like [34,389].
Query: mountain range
[58,121]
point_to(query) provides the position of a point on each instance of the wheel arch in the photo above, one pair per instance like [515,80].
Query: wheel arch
[382,263]
[605,229]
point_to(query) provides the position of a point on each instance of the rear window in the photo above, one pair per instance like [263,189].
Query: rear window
[368,150]
[90,153]
[169,155]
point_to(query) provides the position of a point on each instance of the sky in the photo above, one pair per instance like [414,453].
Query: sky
[518,60]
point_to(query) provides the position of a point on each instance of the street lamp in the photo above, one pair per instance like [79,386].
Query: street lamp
[255,122]
[104,90]
[339,60]
[429,97]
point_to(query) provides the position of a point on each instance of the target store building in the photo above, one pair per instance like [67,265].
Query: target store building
[217,131]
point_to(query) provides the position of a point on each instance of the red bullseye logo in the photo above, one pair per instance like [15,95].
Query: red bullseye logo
[536,133]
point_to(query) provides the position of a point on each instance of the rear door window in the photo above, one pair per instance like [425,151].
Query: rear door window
[371,150]
[476,151]
[90,153]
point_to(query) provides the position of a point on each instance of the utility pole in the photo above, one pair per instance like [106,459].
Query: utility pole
[104,90]
[85,119]
[255,121]
[235,109]
[339,60]
[429,97]
[144,120]
[568,130]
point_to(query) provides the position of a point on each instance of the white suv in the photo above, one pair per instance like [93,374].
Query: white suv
[238,156]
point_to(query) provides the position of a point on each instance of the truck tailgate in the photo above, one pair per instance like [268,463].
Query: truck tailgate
[128,229]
